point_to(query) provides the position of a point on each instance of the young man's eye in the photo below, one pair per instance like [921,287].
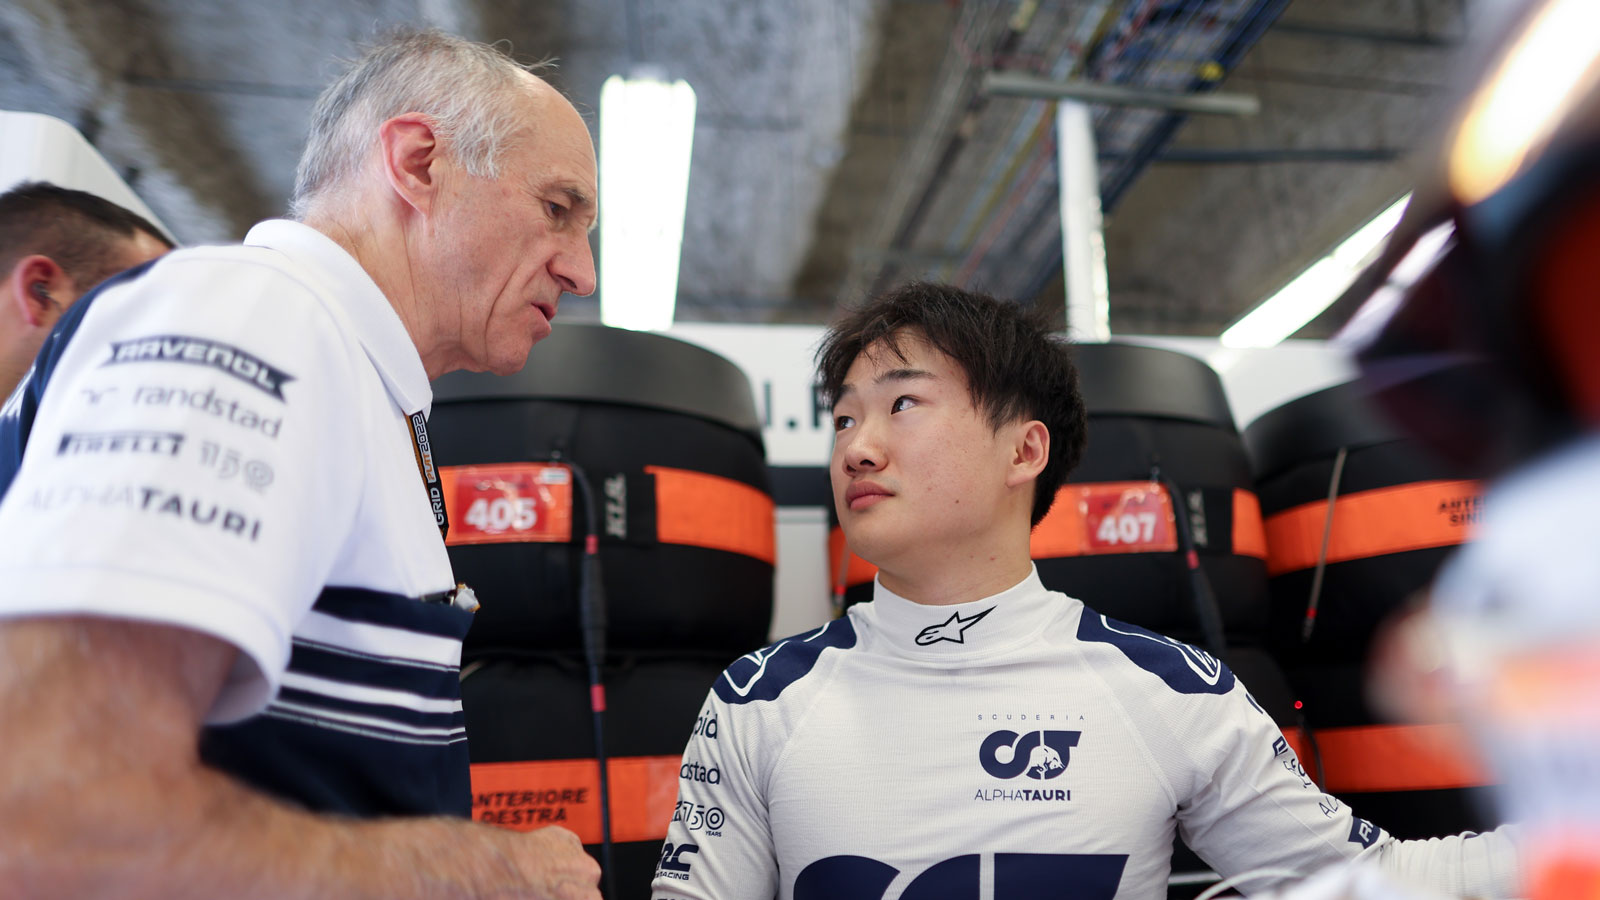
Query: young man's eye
[902,403]
[840,423]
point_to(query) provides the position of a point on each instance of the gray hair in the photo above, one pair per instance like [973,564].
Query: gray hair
[465,88]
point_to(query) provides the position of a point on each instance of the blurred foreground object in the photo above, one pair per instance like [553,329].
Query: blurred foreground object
[1477,334]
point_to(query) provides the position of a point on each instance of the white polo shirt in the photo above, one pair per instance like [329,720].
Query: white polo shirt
[219,441]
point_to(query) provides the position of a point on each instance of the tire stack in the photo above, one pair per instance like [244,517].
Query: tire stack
[667,436]
[1397,513]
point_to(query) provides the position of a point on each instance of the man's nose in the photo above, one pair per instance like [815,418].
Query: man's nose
[863,452]
[574,268]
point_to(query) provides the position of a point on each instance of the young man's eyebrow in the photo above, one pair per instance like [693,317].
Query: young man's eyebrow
[903,375]
[891,375]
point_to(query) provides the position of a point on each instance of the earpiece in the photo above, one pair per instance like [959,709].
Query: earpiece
[41,292]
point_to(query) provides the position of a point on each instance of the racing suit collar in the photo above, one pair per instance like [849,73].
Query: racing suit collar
[361,303]
[963,630]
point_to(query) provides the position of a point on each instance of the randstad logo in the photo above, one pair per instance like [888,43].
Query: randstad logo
[1038,754]
[693,771]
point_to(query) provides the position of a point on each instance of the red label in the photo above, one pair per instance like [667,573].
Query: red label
[508,503]
[1126,517]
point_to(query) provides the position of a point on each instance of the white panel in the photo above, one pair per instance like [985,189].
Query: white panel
[36,147]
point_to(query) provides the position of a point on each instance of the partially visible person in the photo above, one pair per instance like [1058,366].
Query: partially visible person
[55,244]
[1489,356]
[230,638]
[970,733]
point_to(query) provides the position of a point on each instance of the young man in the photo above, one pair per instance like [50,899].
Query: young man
[969,734]
[55,244]
[229,651]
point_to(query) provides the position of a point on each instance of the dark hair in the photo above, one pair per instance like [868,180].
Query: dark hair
[77,229]
[1016,368]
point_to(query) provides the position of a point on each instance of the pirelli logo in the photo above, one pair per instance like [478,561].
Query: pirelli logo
[178,348]
[156,443]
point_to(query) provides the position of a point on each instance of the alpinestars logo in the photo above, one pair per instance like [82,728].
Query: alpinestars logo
[953,629]
[246,367]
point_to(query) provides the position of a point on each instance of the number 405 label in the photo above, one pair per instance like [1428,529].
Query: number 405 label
[1126,517]
[508,503]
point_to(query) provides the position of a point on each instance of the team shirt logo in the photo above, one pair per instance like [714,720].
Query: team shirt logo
[158,443]
[674,863]
[1038,754]
[953,629]
[246,367]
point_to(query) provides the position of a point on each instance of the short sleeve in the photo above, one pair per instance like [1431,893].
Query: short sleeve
[192,461]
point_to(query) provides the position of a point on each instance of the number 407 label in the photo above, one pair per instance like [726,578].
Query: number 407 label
[1125,517]
[508,503]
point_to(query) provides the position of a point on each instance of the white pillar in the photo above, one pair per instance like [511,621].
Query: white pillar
[1083,243]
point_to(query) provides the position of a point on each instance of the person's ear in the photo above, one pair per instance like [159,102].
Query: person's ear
[411,154]
[40,290]
[1030,451]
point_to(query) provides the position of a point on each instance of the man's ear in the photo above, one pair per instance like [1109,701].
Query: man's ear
[40,290]
[411,152]
[1030,452]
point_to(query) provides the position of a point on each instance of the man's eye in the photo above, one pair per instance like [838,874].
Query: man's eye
[556,209]
[902,403]
[840,423]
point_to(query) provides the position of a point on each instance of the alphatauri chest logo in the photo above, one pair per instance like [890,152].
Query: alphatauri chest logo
[1037,754]
[953,629]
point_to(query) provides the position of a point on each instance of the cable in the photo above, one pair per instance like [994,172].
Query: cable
[1322,553]
[592,621]
[1205,600]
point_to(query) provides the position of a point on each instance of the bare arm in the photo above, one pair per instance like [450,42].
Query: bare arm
[102,792]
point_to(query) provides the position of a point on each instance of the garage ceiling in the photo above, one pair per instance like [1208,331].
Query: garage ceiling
[841,145]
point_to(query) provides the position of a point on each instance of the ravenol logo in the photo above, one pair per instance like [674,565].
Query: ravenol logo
[1037,754]
[246,367]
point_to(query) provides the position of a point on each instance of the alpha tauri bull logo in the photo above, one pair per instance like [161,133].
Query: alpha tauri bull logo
[1037,754]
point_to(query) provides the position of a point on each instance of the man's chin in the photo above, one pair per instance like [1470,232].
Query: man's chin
[509,363]
[876,549]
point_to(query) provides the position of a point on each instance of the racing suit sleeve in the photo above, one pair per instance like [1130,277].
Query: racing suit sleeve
[719,845]
[1254,808]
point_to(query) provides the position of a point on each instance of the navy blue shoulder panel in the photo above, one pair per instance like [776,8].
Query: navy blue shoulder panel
[1185,668]
[16,417]
[764,674]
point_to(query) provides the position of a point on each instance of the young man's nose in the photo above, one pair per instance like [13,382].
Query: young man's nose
[863,453]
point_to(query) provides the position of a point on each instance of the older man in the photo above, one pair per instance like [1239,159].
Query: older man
[229,637]
[55,244]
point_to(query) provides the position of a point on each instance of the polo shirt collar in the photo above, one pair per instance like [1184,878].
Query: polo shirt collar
[370,314]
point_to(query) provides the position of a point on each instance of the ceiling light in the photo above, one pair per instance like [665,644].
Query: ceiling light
[1554,61]
[646,135]
[1313,290]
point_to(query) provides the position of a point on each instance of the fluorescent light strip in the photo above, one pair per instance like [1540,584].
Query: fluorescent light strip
[1315,289]
[646,139]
